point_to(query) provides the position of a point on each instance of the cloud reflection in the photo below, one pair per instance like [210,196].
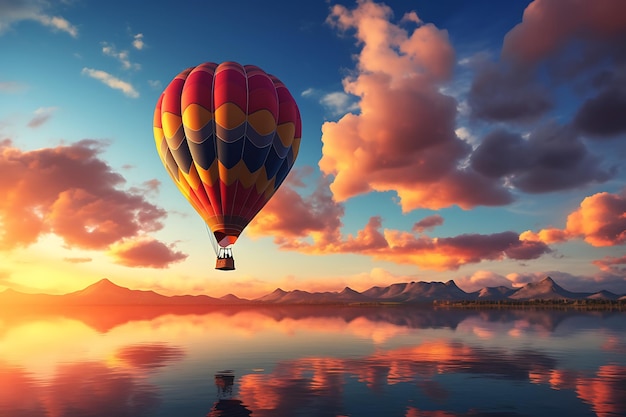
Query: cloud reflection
[88,388]
[321,382]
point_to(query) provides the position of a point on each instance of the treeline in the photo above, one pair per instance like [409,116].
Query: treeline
[586,304]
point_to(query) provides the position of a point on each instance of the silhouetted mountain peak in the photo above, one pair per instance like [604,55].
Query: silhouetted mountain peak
[102,287]
[544,289]
[105,283]
[349,290]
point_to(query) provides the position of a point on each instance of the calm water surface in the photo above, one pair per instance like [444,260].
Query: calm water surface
[300,361]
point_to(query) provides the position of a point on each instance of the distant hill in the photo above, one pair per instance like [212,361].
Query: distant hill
[105,292]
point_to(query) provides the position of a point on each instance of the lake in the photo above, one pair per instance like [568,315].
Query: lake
[312,361]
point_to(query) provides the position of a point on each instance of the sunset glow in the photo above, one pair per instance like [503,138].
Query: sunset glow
[476,142]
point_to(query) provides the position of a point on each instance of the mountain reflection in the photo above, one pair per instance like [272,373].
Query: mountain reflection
[104,319]
[308,361]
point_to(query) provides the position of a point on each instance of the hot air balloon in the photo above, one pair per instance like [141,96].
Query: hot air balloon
[228,135]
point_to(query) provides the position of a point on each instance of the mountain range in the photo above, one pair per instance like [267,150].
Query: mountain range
[105,292]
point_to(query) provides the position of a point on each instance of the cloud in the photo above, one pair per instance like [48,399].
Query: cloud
[77,260]
[121,56]
[548,25]
[313,224]
[602,116]
[70,192]
[339,103]
[600,221]
[144,252]
[9,87]
[13,12]
[155,84]
[560,45]
[500,93]
[552,158]
[42,115]
[111,81]
[58,23]
[403,138]
[289,216]
[138,42]
[612,264]
[428,223]
[481,279]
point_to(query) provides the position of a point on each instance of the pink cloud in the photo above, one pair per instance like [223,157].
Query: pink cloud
[403,138]
[145,252]
[600,221]
[548,25]
[481,279]
[70,192]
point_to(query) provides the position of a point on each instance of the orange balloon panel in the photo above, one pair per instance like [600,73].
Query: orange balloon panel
[228,134]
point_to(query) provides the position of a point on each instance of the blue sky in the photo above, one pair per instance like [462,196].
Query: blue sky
[477,141]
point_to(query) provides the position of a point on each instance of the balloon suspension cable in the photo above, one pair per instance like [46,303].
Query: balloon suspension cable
[213,240]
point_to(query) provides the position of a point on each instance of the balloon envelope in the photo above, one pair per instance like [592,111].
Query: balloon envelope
[228,134]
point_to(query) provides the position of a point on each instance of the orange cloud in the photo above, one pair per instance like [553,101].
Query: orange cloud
[312,225]
[70,192]
[600,221]
[288,215]
[144,252]
[403,138]
[612,264]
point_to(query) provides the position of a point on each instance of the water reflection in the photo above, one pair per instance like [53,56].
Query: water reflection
[312,362]
[226,405]
[115,386]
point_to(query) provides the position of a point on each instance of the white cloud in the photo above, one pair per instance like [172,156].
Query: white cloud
[13,12]
[155,84]
[58,23]
[308,92]
[122,56]
[339,103]
[111,81]
[138,41]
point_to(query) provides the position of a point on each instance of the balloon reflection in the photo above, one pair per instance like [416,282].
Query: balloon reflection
[226,406]
[417,357]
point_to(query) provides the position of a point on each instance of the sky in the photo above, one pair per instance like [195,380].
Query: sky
[480,142]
